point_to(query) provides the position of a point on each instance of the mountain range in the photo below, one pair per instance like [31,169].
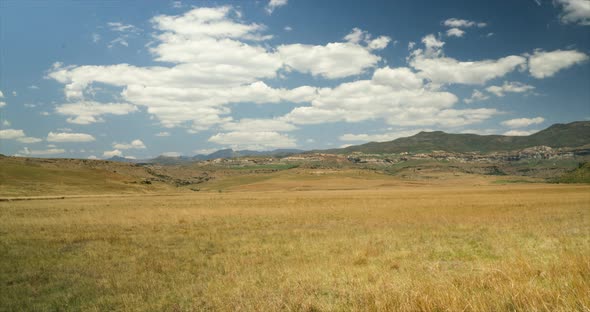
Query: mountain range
[573,134]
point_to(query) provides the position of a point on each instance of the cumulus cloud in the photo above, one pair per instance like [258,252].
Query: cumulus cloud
[432,64]
[273,4]
[9,134]
[215,59]
[476,96]
[69,137]
[455,32]
[212,58]
[254,140]
[18,135]
[446,70]
[512,87]
[393,95]
[50,151]
[260,125]
[113,153]
[546,64]
[401,78]
[433,46]
[87,112]
[336,59]
[575,11]
[523,122]
[2,104]
[135,144]
[461,23]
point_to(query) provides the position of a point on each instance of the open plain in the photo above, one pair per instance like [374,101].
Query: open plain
[479,246]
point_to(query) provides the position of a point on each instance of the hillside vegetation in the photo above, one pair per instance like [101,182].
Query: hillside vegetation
[559,135]
[31,177]
[580,175]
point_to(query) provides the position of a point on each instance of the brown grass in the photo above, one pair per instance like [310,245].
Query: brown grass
[429,248]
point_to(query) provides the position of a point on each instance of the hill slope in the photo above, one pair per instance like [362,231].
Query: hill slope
[38,176]
[559,135]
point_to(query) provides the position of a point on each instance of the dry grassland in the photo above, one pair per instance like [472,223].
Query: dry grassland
[428,248]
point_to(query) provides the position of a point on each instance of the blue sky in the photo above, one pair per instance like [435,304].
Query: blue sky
[95,79]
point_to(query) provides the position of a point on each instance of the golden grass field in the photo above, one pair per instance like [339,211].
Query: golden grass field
[390,247]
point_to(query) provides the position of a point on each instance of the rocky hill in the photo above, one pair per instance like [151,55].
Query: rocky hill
[573,134]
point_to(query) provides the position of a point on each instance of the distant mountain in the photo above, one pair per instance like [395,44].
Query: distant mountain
[229,153]
[559,135]
[224,153]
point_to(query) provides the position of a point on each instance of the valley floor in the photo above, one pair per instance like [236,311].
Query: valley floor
[470,247]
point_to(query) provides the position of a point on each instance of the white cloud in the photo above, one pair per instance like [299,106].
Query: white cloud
[1,94]
[163,134]
[461,23]
[259,125]
[523,122]
[33,87]
[334,60]
[14,93]
[18,135]
[411,45]
[2,104]
[398,78]
[520,132]
[135,144]
[95,38]
[10,134]
[433,46]
[120,27]
[513,87]
[113,153]
[546,64]
[120,41]
[383,137]
[575,11]
[29,140]
[50,151]
[480,131]
[87,112]
[6,123]
[476,96]
[393,95]
[254,140]
[92,157]
[212,58]
[177,4]
[211,52]
[273,4]
[69,137]
[125,32]
[171,154]
[455,32]
[205,151]
[288,28]
[445,70]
